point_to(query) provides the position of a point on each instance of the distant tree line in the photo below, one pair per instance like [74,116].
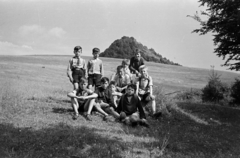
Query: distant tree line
[126,47]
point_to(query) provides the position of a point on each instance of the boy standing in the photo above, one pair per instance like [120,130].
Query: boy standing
[135,63]
[130,108]
[145,88]
[76,67]
[94,69]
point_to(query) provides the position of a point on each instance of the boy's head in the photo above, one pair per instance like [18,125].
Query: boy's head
[120,71]
[83,83]
[125,63]
[95,52]
[77,51]
[112,86]
[104,82]
[143,70]
[131,89]
[137,54]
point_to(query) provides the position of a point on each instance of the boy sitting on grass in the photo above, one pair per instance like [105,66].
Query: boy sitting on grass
[79,98]
[145,89]
[103,100]
[116,95]
[121,80]
[129,109]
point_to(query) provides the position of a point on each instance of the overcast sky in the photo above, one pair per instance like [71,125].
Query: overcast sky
[56,26]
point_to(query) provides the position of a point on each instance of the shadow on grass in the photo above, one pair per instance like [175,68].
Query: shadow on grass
[50,100]
[62,110]
[58,141]
[190,139]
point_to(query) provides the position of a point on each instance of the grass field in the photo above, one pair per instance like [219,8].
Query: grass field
[36,121]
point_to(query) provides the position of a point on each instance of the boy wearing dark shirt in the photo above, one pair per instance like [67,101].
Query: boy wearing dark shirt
[135,63]
[130,108]
[103,100]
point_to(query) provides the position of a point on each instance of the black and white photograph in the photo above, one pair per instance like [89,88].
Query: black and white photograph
[119,78]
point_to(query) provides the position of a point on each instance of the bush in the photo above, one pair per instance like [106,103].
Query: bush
[193,95]
[215,90]
[235,92]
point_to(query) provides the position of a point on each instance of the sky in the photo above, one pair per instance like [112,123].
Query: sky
[55,27]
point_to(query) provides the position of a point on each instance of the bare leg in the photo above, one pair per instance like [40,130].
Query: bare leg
[75,86]
[114,113]
[153,102]
[75,105]
[100,110]
[91,103]
[115,100]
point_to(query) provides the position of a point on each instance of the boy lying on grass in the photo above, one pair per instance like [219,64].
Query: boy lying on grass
[129,109]
[79,98]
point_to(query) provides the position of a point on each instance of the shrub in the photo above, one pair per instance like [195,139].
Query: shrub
[193,95]
[235,92]
[215,90]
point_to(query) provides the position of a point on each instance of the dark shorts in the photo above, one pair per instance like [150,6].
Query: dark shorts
[145,98]
[77,75]
[94,79]
[81,105]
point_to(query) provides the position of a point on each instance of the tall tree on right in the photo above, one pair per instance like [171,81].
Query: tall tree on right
[223,20]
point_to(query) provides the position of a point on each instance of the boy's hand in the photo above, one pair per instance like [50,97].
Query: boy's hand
[119,89]
[82,97]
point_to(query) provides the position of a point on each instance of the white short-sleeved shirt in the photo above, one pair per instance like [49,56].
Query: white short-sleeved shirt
[145,83]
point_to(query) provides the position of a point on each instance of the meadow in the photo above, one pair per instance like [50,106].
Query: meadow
[36,116]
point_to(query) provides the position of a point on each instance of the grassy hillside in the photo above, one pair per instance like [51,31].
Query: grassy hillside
[36,121]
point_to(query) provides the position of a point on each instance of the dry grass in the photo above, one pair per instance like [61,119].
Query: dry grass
[35,116]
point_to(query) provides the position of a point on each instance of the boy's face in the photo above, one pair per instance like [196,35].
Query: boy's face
[144,73]
[83,85]
[130,91]
[104,85]
[78,53]
[120,72]
[112,88]
[124,65]
[138,55]
[95,55]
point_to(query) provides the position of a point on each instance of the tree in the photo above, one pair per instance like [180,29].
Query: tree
[223,20]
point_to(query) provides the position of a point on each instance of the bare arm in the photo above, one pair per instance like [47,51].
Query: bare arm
[69,71]
[101,69]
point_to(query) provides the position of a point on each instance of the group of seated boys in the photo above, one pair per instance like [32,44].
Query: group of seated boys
[124,95]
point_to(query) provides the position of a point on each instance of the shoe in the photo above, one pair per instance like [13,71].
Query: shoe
[106,118]
[122,116]
[75,116]
[144,123]
[157,115]
[87,117]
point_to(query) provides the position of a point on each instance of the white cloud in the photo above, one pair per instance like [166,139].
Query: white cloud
[7,48]
[31,30]
[57,31]
[27,47]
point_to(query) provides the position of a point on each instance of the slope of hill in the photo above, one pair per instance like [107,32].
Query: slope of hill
[126,46]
